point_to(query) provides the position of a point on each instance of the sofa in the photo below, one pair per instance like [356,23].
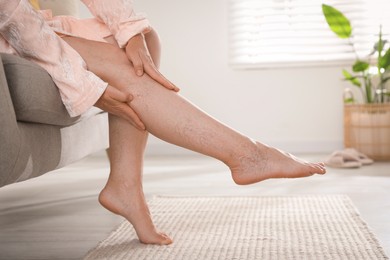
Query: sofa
[37,135]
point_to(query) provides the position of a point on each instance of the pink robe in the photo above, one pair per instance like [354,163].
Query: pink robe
[34,35]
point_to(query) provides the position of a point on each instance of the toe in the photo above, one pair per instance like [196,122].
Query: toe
[166,239]
[322,169]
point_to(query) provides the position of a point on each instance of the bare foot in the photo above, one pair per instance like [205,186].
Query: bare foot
[129,202]
[263,162]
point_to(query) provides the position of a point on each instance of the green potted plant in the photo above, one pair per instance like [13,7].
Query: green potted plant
[366,120]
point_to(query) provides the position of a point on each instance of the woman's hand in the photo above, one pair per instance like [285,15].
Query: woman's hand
[139,55]
[117,103]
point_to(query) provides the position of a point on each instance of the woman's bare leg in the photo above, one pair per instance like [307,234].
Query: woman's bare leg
[170,117]
[123,193]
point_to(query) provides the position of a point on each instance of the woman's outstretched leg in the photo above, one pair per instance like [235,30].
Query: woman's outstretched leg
[172,118]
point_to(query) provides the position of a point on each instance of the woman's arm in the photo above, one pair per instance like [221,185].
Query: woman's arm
[129,28]
[26,31]
[120,18]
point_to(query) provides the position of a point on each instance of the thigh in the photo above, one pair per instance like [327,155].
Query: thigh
[105,60]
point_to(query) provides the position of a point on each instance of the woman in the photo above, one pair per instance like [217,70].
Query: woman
[111,62]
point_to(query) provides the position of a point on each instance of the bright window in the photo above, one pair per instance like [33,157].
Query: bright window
[277,33]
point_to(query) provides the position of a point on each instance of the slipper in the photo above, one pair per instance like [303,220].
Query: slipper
[343,159]
[364,159]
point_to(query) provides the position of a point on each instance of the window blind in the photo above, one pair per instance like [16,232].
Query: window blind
[270,33]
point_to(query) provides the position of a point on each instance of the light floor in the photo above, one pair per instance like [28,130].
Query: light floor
[57,216]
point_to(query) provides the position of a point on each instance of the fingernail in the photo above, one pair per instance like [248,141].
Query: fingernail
[139,72]
[174,87]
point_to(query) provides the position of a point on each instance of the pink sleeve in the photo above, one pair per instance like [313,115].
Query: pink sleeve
[120,18]
[29,35]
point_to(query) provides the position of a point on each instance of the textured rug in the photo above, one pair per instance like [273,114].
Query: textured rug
[293,227]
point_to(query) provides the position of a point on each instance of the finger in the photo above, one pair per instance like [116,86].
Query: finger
[124,99]
[137,64]
[116,102]
[125,112]
[129,113]
[152,71]
[120,96]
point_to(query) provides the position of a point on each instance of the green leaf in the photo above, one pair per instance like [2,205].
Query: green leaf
[352,79]
[360,66]
[349,100]
[384,61]
[337,22]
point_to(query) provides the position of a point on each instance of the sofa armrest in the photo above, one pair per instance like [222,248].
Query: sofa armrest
[10,138]
[35,97]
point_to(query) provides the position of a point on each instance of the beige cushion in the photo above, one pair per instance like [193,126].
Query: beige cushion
[35,97]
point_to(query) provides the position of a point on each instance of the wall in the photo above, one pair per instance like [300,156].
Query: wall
[296,109]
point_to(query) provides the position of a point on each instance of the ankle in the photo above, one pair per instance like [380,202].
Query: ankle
[247,151]
[253,158]
[124,183]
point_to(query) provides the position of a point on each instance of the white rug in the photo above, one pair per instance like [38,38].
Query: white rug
[293,227]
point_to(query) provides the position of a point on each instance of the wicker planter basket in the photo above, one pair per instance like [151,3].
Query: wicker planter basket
[367,129]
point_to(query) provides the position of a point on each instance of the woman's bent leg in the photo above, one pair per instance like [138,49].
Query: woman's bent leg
[123,192]
[172,118]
